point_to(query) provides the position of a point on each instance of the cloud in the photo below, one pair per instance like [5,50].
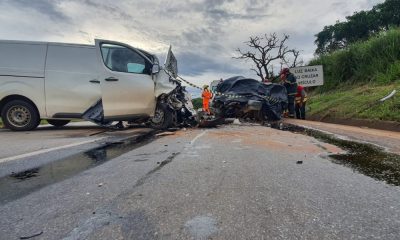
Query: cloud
[204,34]
[46,7]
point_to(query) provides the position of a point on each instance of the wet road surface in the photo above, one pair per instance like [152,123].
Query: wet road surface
[387,139]
[235,182]
[46,137]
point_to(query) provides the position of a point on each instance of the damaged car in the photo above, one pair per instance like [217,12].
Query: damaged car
[249,99]
[105,82]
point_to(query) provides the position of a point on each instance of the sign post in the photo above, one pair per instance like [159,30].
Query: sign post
[309,76]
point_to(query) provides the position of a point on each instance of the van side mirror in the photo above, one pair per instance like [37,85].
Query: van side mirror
[155,69]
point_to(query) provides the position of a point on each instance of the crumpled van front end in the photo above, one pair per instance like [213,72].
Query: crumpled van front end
[174,103]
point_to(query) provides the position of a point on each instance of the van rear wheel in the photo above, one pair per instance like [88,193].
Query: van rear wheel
[58,123]
[20,115]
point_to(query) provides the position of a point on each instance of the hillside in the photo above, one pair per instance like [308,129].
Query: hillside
[355,78]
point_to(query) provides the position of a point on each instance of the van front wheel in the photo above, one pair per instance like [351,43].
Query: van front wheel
[58,123]
[162,117]
[20,115]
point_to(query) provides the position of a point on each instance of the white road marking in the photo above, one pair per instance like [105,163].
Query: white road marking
[198,136]
[7,159]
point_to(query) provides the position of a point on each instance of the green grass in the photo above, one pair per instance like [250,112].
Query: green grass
[356,77]
[357,101]
[376,61]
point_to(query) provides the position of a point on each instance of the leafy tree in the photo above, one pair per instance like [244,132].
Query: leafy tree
[359,26]
[388,13]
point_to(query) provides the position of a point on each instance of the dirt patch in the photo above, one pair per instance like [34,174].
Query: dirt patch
[366,123]
[273,140]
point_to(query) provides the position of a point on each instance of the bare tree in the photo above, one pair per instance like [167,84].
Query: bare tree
[264,51]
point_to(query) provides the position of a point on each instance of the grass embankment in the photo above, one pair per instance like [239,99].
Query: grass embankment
[355,78]
[357,102]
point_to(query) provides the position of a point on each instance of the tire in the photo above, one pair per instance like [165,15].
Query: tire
[58,123]
[162,117]
[20,115]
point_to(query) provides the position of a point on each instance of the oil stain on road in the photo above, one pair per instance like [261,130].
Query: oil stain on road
[363,158]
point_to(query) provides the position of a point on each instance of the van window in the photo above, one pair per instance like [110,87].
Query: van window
[71,59]
[122,59]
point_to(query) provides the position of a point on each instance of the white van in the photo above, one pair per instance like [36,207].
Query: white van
[105,82]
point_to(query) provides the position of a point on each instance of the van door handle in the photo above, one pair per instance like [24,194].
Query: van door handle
[94,81]
[111,79]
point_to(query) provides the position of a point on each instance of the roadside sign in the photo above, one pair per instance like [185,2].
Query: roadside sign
[309,76]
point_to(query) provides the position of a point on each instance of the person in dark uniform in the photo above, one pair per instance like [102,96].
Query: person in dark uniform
[290,83]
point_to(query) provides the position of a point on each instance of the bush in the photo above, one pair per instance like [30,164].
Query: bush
[376,60]
[197,103]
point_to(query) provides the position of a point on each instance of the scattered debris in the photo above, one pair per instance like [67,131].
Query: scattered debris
[165,134]
[32,236]
[388,96]
[236,122]
[100,184]
[299,162]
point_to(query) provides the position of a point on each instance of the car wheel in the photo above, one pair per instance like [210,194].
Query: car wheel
[58,123]
[20,115]
[162,117]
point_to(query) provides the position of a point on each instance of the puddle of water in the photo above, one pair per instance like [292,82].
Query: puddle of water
[364,158]
[23,183]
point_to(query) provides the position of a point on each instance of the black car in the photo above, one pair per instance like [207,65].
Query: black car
[246,98]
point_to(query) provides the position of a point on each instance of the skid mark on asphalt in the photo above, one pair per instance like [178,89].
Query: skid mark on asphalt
[142,180]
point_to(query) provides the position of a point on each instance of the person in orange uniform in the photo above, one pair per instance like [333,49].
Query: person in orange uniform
[207,96]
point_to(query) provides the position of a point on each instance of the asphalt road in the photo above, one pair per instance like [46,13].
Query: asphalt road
[234,182]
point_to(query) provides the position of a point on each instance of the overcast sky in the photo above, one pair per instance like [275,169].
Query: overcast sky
[203,33]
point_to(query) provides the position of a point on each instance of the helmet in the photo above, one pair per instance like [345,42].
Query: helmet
[205,86]
[284,71]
